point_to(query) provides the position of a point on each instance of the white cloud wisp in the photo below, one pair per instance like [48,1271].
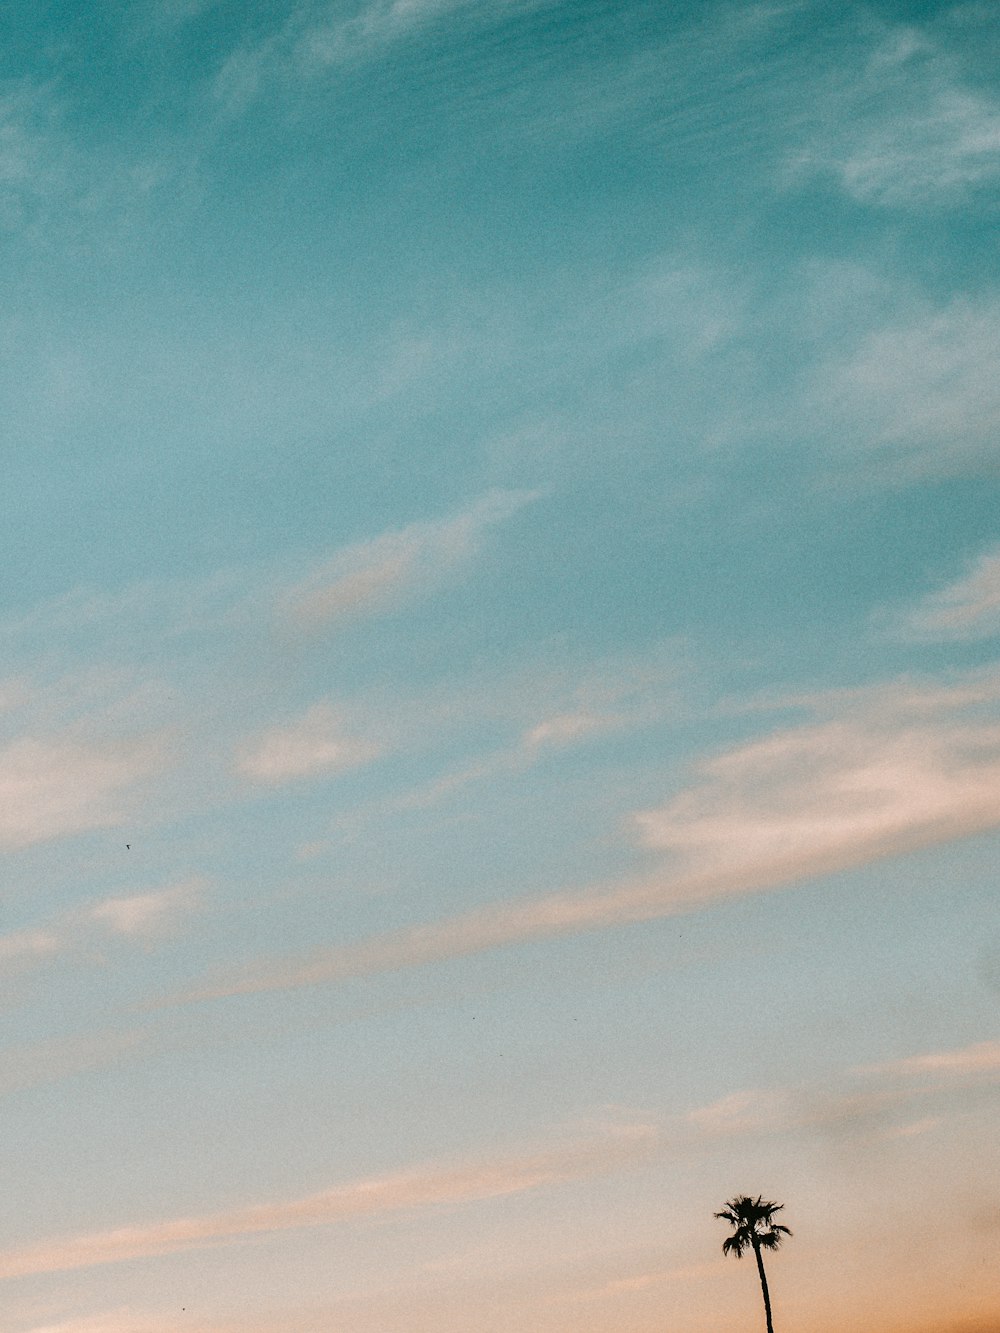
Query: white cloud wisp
[921,394]
[938,139]
[969,608]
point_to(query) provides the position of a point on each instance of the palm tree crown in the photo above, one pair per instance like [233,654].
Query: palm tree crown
[753,1225]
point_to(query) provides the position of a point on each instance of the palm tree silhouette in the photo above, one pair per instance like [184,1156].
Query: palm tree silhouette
[754,1228]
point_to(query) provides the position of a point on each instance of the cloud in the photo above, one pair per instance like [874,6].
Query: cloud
[315,744]
[55,788]
[334,40]
[889,1100]
[318,37]
[922,394]
[29,944]
[748,1110]
[139,917]
[836,1108]
[814,799]
[38,1063]
[29,152]
[551,710]
[474,932]
[982,1058]
[126,1319]
[95,619]
[374,576]
[660,1277]
[427,1187]
[913,1128]
[129,1319]
[895,769]
[361,578]
[60,777]
[838,1104]
[55,178]
[969,608]
[565,728]
[903,130]
[553,733]
[946,147]
[147,915]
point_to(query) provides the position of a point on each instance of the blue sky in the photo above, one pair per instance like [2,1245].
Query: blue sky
[499,689]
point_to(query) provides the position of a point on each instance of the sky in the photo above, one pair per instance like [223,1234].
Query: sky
[499,667]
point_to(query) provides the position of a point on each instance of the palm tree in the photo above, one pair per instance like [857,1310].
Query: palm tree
[754,1228]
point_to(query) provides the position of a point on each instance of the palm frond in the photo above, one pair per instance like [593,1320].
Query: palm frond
[771,1240]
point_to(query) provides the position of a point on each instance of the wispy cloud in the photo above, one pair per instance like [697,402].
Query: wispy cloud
[903,129]
[555,733]
[819,798]
[147,916]
[126,1319]
[615,1288]
[567,728]
[34,1064]
[547,711]
[428,1187]
[53,788]
[456,937]
[981,1058]
[888,774]
[850,1102]
[319,36]
[367,577]
[921,393]
[317,743]
[94,732]
[894,1099]
[138,918]
[839,1108]
[54,177]
[969,608]
[19,946]
[331,39]
[376,575]
[30,152]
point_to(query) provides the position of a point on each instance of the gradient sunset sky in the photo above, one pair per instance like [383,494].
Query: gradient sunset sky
[499,666]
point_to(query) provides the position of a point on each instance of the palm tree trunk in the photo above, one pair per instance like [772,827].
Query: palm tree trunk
[763,1287]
